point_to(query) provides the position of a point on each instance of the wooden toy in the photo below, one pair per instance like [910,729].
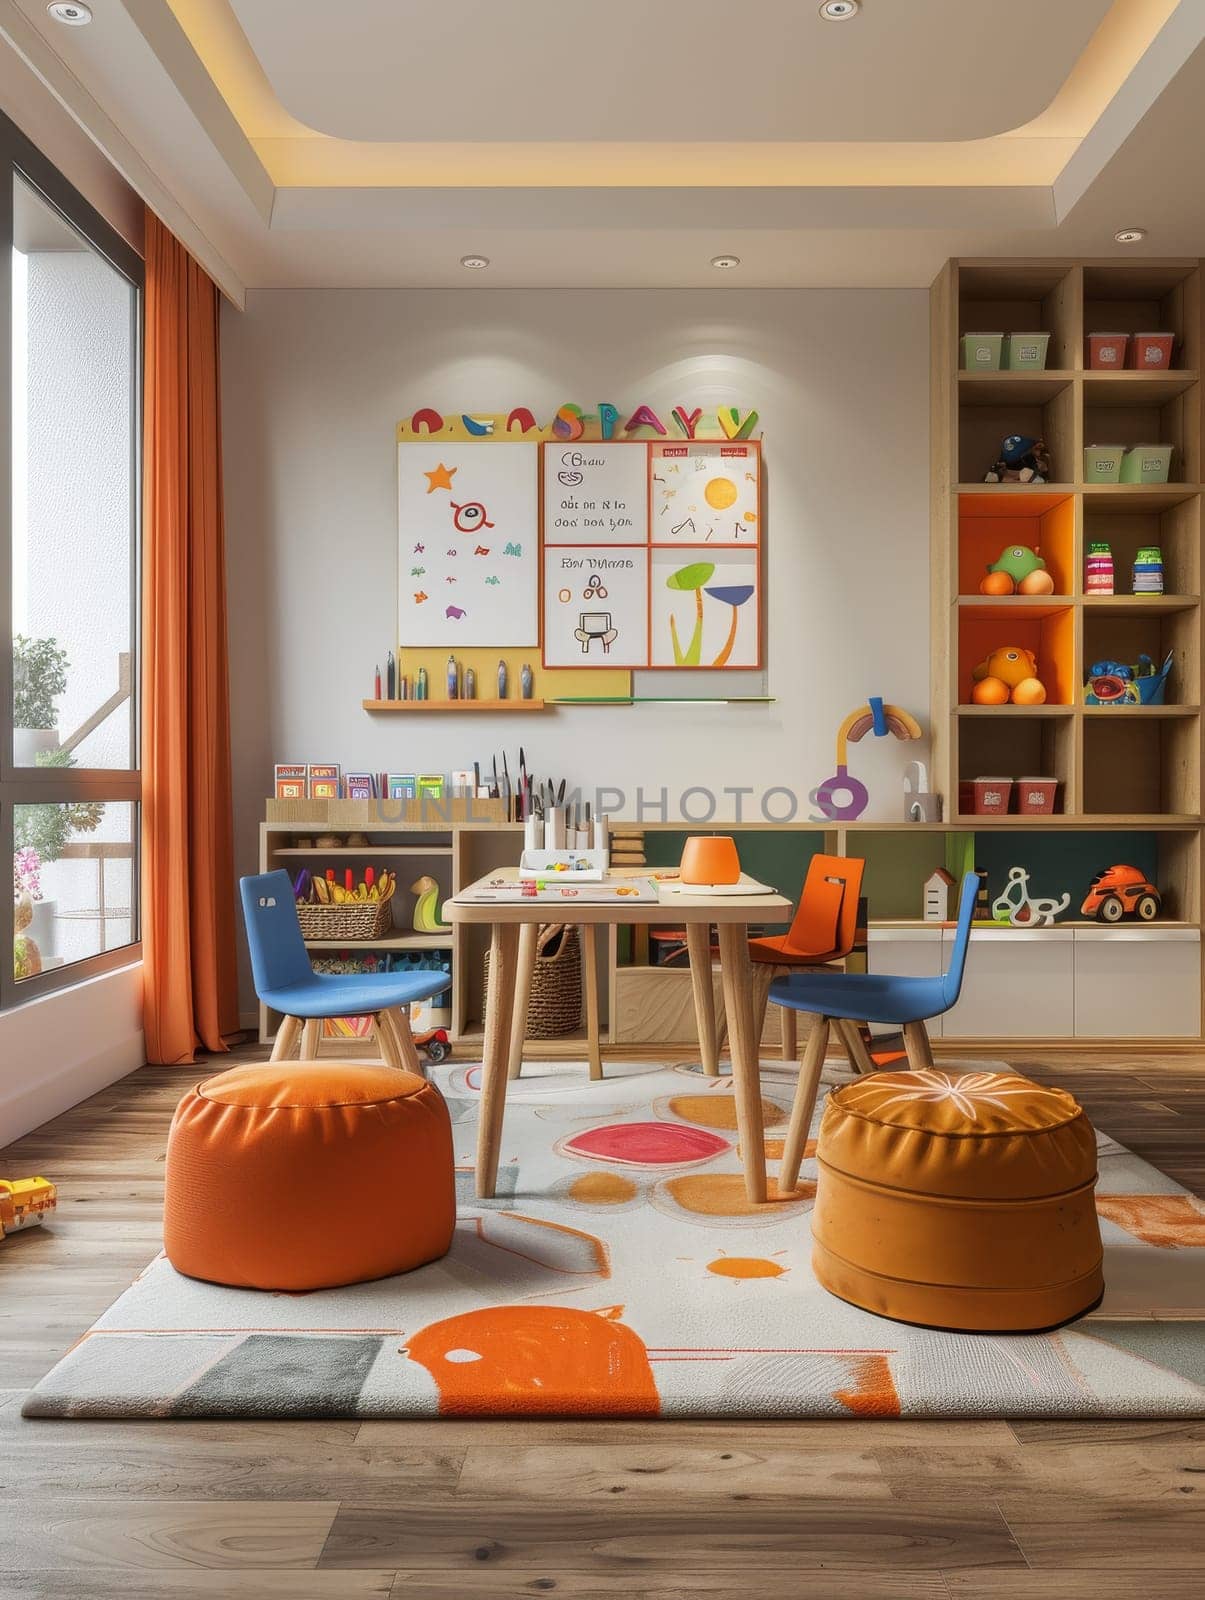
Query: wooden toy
[920,805]
[1019,570]
[1009,673]
[936,904]
[1119,892]
[1021,460]
[1016,906]
[426,907]
[875,717]
[25,1202]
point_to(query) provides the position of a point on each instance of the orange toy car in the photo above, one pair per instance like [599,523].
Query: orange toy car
[24,1202]
[1121,892]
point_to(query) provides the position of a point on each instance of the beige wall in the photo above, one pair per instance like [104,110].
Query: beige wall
[313,384]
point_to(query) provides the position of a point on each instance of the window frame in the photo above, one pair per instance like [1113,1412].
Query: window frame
[19,158]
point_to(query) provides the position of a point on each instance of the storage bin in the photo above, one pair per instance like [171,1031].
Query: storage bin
[1036,796]
[1025,352]
[981,351]
[991,796]
[1107,350]
[1146,463]
[1102,463]
[1150,352]
[555,1003]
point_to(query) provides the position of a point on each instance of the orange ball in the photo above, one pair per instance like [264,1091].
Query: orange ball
[1037,582]
[1029,692]
[989,692]
[996,583]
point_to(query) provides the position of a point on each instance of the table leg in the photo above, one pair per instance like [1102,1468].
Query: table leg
[590,965]
[698,949]
[746,1077]
[528,934]
[762,974]
[499,1010]
[790,1034]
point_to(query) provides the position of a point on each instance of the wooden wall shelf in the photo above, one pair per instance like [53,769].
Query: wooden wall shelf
[454,705]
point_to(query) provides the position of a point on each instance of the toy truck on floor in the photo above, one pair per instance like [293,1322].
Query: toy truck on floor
[1121,892]
[24,1202]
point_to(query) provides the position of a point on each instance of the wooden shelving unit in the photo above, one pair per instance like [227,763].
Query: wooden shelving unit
[1131,766]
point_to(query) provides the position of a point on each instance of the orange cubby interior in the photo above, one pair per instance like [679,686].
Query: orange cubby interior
[985,528]
[1049,633]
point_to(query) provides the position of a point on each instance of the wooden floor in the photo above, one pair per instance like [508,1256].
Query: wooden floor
[856,1510]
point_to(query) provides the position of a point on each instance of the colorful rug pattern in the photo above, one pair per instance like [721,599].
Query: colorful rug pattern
[622,1272]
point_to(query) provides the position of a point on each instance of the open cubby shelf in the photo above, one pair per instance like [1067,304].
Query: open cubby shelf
[1118,769]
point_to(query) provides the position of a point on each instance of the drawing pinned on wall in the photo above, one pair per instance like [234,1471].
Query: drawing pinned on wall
[472,515]
[595,606]
[595,493]
[706,493]
[706,611]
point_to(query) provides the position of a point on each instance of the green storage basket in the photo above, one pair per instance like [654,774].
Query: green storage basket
[981,352]
[1025,352]
[1146,463]
[1102,462]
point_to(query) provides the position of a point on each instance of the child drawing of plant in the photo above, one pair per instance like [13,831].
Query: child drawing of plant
[690,579]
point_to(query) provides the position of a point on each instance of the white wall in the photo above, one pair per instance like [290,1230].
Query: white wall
[313,385]
[58,1049]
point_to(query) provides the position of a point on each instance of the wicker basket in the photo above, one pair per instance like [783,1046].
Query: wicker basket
[555,1006]
[359,920]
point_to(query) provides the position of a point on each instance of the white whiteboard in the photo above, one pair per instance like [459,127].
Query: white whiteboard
[468,532]
[707,492]
[596,493]
[596,602]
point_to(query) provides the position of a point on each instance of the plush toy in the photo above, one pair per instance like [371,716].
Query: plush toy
[1019,570]
[27,958]
[1021,460]
[1009,673]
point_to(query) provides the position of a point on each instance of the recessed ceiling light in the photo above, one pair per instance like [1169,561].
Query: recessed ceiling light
[1130,235]
[475,263]
[725,263]
[840,10]
[73,12]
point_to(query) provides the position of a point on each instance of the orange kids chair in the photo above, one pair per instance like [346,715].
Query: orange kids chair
[825,929]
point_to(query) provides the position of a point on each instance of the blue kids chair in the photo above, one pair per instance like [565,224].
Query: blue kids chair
[847,999]
[286,981]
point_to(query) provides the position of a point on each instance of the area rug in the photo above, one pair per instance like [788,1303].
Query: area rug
[621,1272]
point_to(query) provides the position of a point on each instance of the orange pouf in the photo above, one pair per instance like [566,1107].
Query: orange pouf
[308,1175]
[958,1200]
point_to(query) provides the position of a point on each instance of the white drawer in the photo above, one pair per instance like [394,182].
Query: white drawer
[1137,982]
[1018,984]
[907,953]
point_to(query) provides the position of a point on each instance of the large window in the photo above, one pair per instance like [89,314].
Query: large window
[70,319]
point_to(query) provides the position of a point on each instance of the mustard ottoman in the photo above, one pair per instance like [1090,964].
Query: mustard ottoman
[958,1200]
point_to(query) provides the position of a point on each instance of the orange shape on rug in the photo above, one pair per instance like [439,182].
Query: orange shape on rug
[1171,1221]
[774,1148]
[603,1189]
[722,1194]
[745,1267]
[716,1110]
[873,1393]
[537,1361]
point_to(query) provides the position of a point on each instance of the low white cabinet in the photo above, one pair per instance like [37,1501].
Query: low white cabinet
[907,953]
[1018,984]
[1133,982]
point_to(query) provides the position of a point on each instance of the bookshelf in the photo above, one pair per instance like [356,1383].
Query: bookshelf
[1134,766]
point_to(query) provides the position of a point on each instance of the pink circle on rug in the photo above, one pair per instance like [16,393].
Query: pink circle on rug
[645,1144]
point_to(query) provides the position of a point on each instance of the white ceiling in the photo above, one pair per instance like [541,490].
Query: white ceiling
[670,70]
[364,144]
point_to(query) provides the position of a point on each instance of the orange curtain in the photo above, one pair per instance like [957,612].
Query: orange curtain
[187,850]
